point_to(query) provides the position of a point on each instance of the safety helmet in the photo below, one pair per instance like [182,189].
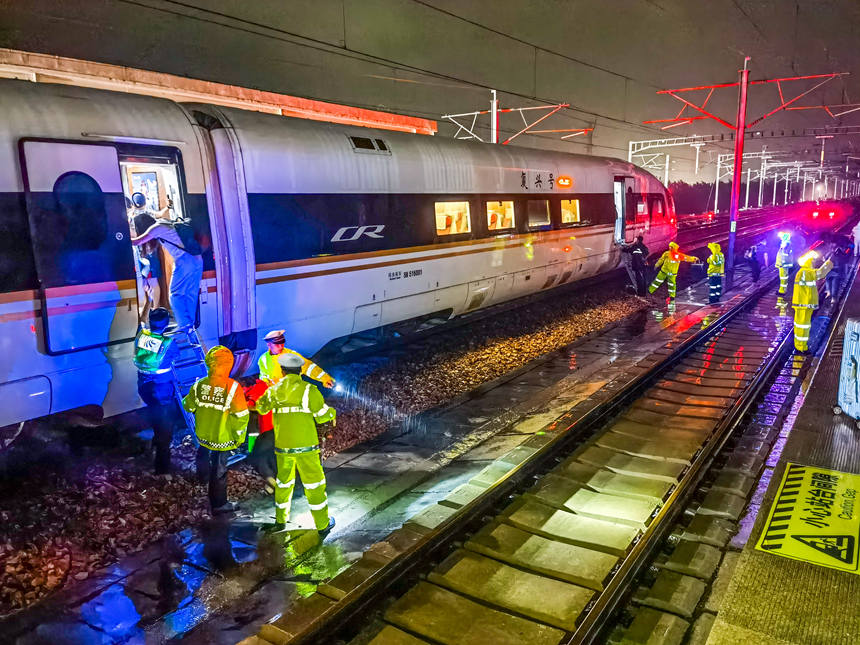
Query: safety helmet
[139,200]
[714,247]
[785,236]
[673,246]
[290,361]
[219,359]
[275,336]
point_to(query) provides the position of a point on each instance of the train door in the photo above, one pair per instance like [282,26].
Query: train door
[625,209]
[81,245]
[158,180]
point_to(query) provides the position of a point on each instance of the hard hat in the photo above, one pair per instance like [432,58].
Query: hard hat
[673,245]
[158,319]
[276,336]
[290,361]
[785,236]
[219,357]
[138,199]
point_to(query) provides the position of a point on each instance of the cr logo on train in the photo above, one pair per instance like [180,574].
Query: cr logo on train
[370,231]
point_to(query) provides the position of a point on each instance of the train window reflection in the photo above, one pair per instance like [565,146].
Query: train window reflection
[452,218]
[500,215]
[570,211]
[538,212]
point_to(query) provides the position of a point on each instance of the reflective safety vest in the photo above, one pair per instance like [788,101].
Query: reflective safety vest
[785,257]
[154,355]
[220,413]
[671,260]
[271,372]
[805,294]
[297,406]
[717,264]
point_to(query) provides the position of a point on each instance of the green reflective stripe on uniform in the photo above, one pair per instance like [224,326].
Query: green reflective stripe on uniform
[318,507]
[314,485]
[281,484]
[323,410]
[296,451]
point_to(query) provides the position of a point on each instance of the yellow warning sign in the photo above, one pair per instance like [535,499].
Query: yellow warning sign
[814,518]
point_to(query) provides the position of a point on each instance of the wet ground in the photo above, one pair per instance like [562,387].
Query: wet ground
[219,582]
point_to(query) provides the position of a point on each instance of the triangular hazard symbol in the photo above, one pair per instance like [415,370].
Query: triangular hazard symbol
[840,547]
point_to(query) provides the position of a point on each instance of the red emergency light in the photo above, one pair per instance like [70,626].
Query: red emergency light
[563,181]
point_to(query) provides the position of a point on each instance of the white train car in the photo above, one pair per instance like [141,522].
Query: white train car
[322,229]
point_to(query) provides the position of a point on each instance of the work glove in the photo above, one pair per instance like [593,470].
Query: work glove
[328,382]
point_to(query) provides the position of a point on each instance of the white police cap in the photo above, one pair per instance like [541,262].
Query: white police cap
[275,336]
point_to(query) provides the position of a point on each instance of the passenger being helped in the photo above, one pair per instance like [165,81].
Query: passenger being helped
[298,407]
[177,239]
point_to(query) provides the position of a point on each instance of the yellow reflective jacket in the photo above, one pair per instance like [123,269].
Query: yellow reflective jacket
[297,406]
[671,260]
[805,293]
[785,257]
[717,261]
[220,413]
[271,372]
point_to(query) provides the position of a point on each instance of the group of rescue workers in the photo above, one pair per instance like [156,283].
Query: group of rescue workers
[284,440]
[804,299]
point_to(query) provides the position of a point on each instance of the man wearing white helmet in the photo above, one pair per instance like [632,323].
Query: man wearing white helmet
[270,369]
[297,408]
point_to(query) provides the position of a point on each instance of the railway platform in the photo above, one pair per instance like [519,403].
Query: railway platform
[221,582]
[796,579]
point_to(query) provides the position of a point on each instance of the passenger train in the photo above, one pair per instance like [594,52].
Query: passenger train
[325,230]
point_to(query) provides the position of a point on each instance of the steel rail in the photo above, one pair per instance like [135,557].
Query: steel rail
[368,594]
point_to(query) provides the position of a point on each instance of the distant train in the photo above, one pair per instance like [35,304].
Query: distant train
[328,231]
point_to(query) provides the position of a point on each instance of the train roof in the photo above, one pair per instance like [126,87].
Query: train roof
[323,158]
[298,156]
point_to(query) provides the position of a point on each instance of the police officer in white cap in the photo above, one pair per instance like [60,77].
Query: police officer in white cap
[270,369]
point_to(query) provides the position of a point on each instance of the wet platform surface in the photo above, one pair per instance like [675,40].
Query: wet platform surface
[777,600]
[218,583]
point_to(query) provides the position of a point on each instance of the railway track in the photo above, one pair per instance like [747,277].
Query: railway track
[550,553]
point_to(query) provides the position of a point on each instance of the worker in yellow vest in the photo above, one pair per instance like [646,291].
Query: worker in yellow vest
[270,369]
[804,299]
[220,421]
[667,267]
[784,261]
[716,271]
[298,407]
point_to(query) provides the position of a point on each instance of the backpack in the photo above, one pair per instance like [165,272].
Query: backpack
[186,235]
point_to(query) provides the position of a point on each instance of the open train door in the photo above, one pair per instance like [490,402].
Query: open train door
[625,209]
[81,245]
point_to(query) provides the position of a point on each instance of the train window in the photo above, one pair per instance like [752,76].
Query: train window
[538,212]
[500,215]
[362,143]
[641,206]
[452,218]
[570,211]
[380,145]
[657,207]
